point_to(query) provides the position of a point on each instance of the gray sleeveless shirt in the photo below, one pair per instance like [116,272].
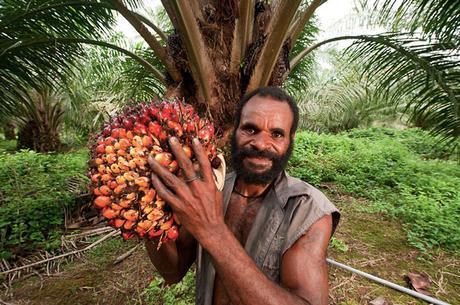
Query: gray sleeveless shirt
[288,210]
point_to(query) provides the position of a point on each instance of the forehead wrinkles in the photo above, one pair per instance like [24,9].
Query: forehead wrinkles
[263,110]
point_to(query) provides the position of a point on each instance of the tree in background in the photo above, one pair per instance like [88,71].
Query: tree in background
[221,49]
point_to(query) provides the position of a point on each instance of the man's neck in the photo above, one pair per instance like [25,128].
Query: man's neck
[248,190]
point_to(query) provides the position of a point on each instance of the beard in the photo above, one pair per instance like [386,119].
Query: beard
[279,163]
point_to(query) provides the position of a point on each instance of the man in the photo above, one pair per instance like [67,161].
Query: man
[263,240]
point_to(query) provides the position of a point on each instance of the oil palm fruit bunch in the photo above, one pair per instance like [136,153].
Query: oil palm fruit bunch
[120,174]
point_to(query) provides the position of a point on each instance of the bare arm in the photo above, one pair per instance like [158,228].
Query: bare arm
[303,269]
[198,204]
[173,259]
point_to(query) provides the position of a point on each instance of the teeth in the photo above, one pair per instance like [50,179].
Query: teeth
[120,174]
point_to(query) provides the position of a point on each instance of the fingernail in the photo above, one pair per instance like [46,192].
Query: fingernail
[196,141]
[173,140]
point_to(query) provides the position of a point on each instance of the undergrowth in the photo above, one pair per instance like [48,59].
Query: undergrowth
[182,293]
[33,195]
[393,172]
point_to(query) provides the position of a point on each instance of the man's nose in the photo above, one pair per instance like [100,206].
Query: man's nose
[260,142]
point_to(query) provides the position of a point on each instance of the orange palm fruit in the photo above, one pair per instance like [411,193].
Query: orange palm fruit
[101,201]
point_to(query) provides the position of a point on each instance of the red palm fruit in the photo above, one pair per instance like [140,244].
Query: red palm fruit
[211,149]
[149,196]
[111,158]
[118,223]
[153,111]
[123,177]
[128,123]
[106,131]
[121,152]
[105,190]
[188,151]
[132,164]
[189,127]
[128,225]
[115,133]
[101,169]
[116,207]
[101,202]
[112,184]
[100,149]
[167,224]
[115,168]
[122,133]
[204,135]
[120,180]
[124,143]
[173,166]
[177,127]
[173,233]
[145,224]
[127,235]
[154,128]
[131,215]
[163,136]
[109,149]
[153,233]
[147,141]
[137,141]
[109,213]
[109,141]
[164,158]
[139,129]
[131,196]
[124,203]
[119,189]
[155,214]
[106,177]
[95,177]
[142,181]
[145,117]
[188,109]
[141,232]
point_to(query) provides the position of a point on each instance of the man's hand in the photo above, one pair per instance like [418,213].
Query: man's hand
[197,203]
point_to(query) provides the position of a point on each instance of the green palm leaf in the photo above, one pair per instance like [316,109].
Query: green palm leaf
[433,18]
[429,71]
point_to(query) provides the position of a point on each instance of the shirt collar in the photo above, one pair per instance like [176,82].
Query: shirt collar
[283,188]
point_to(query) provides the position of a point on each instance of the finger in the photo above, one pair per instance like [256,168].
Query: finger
[184,162]
[164,192]
[166,177]
[203,160]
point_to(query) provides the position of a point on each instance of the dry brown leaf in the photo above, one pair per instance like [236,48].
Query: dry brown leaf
[419,282]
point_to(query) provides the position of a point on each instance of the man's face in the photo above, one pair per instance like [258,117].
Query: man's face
[262,144]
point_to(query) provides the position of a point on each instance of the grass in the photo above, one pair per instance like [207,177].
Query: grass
[423,193]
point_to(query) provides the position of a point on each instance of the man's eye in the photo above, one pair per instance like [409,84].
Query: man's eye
[277,134]
[250,130]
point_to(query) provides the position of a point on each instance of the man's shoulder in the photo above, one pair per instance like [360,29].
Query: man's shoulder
[295,187]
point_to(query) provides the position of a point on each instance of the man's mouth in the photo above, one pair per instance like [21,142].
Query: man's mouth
[259,161]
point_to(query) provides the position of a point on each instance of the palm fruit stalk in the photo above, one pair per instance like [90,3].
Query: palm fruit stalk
[120,174]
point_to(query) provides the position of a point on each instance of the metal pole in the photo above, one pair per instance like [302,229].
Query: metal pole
[387,283]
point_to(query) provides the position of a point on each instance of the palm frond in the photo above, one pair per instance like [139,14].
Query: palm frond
[430,71]
[434,18]
[298,78]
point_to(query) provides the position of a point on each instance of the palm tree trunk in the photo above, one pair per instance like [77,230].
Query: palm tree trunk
[8,131]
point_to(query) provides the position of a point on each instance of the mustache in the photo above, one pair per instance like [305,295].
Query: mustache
[251,152]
